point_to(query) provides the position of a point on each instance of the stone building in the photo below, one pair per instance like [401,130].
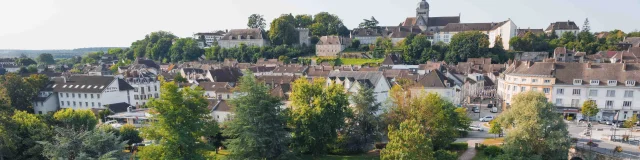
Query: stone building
[330,46]
[249,37]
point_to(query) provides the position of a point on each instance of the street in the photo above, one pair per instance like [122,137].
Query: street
[604,146]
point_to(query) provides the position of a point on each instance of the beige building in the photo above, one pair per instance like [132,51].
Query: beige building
[562,27]
[249,37]
[506,29]
[330,46]
[526,76]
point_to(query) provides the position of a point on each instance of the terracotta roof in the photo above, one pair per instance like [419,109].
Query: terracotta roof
[259,69]
[567,25]
[567,72]
[367,32]
[540,69]
[236,34]
[269,79]
[479,60]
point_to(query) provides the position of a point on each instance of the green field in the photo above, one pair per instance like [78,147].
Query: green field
[357,61]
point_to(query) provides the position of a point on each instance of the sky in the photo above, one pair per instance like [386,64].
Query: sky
[68,24]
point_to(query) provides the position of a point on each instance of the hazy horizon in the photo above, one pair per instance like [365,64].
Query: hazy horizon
[69,24]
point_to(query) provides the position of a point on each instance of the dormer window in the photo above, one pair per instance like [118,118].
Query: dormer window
[595,82]
[577,82]
[612,82]
[631,83]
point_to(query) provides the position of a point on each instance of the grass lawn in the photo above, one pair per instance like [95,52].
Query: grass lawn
[358,61]
[493,141]
[480,156]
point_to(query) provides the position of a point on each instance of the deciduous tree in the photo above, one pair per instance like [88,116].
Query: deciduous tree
[129,133]
[178,122]
[589,109]
[79,119]
[256,21]
[45,59]
[407,141]
[318,112]
[362,127]
[30,130]
[534,129]
[283,30]
[83,144]
[468,45]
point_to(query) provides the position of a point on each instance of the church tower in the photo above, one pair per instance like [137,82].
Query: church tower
[422,14]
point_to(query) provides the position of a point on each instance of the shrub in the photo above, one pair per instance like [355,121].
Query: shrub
[445,155]
[569,118]
[492,151]
[481,147]
[459,146]
[618,149]
[380,145]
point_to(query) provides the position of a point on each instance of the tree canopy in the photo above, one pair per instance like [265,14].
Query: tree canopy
[318,112]
[369,23]
[45,59]
[179,116]
[21,91]
[533,129]
[84,144]
[408,141]
[79,119]
[257,130]
[283,30]
[256,21]
[362,127]
[325,23]
[467,45]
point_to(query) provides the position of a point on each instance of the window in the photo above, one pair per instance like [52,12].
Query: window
[157,95]
[91,96]
[628,94]
[558,102]
[593,93]
[611,93]
[80,104]
[626,104]
[524,80]
[546,90]
[547,81]
[135,89]
[67,95]
[609,104]
[39,112]
[576,92]
[613,82]
[577,82]
[86,104]
[61,103]
[534,80]
[135,97]
[560,91]
[74,103]
[98,96]
[515,79]
[73,95]
[85,95]
[155,88]
[60,94]
[631,83]
[99,104]
[514,88]
[227,96]
[595,82]
[93,104]
[522,89]
[575,102]
[149,88]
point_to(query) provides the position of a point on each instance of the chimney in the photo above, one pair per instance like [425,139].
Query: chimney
[624,66]
[553,66]
[588,65]
[129,109]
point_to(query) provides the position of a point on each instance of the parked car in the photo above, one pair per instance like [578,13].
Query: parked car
[607,122]
[113,123]
[476,109]
[486,118]
[475,128]
[489,105]
[585,120]
[494,110]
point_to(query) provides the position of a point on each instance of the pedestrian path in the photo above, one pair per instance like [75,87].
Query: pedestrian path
[471,151]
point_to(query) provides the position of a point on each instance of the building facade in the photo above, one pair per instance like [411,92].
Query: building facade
[330,46]
[561,27]
[249,37]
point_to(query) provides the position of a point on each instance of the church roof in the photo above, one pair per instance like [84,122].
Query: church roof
[423,5]
[433,21]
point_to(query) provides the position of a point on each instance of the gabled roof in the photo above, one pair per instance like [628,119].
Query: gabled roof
[334,40]
[567,25]
[118,107]
[224,87]
[374,77]
[435,79]
[226,74]
[290,69]
[392,59]
[462,27]
[84,84]
[218,105]
[240,34]
[148,63]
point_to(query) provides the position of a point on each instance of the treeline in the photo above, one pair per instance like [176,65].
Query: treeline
[244,53]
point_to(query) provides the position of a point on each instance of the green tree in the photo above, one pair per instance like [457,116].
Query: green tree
[76,119]
[45,59]
[179,116]
[362,127]
[283,30]
[496,128]
[21,91]
[129,133]
[355,44]
[303,21]
[631,122]
[179,79]
[184,49]
[256,21]
[30,130]
[325,23]
[407,141]
[318,112]
[468,45]
[8,129]
[534,129]
[414,51]
[82,144]
[589,109]
[586,27]
[634,34]
[258,127]
[369,23]
[24,61]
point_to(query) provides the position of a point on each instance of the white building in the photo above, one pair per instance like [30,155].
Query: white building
[82,92]
[145,85]
[435,82]
[506,30]
[354,80]
[220,110]
[249,37]
[561,27]
[217,90]
[209,38]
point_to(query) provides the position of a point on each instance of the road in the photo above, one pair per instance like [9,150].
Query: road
[604,146]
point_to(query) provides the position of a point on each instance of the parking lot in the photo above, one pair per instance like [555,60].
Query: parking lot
[483,109]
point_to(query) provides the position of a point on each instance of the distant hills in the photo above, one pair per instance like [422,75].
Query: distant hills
[60,53]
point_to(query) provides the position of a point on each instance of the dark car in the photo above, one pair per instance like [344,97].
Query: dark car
[476,109]
[489,105]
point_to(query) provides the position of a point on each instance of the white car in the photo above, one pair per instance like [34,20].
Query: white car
[486,118]
[475,128]
[113,123]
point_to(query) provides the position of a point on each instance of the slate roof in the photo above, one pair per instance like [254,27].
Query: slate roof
[264,61]
[118,107]
[84,84]
[434,79]
[226,74]
[567,25]
[433,21]
[567,72]
[218,105]
[462,27]
[148,63]
[259,69]
[373,76]
[269,79]
[123,85]
[223,87]
[236,34]
[392,59]
[290,69]
[538,69]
